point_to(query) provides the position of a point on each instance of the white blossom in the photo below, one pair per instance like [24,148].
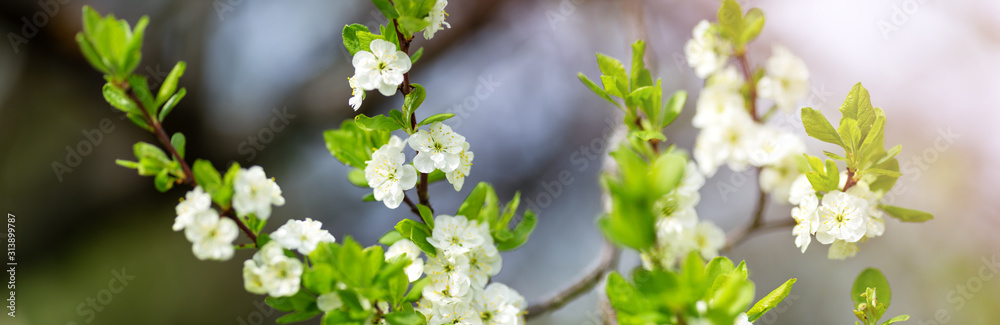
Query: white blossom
[436,19]
[412,253]
[802,193]
[271,272]
[707,51]
[450,279]
[212,237]
[387,174]
[806,224]
[455,235]
[438,147]
[841,250]
[778,179]
[841,216]
[459,313]
[302,235]
[195,201]
[772,146]
[457,176]
[484,262]
[729,142]
[720,97]
[254,193]
[357,94]
[498,304]
[786,79]
[709,239]
[382,68]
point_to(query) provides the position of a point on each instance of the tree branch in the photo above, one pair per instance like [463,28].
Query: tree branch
[188,175]
[607,263]
[752,101]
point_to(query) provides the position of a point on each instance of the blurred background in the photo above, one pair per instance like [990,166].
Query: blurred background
[275,72]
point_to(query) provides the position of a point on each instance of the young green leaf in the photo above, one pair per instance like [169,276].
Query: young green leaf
[171,103]
[597,90]
[858,106]
[117,98]
[351,40]
[169,85]
[390,238]
[387,9]
[436,118]
[906,215]
[673,107]
[871,278]
[356,176]
[426,215]
[521,233]
[770,301]
[416,55]
[817,126]
[377,123]
[178,141]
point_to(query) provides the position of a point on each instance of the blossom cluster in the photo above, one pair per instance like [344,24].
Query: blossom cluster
[275,273]
[438,148]
[841,218]
[459,291]
[212,236]
[678,230]
[730,134]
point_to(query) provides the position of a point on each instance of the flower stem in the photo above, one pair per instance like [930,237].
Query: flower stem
[752,100]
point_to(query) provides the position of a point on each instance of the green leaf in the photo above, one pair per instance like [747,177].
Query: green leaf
[770,301]
[90,53]
[357,177]
[611,86]
[832,174]
[731,20]
[906,215]
[417,233]
[351,40]
[169,85]
[597,90]
[410,25]
[299,316]
[612,67]
[390,238]
[639,76]
[163,181]
[377,123]
[319,278]
[405,318]
[385,6]
[416,55]
[436,118]
[882,172]
[521,233]
[834,156]
[674,107]
[117,98]
[426,215]
[127,164]
[280,303]
[474,202]
[871,278]
[858,106]
[205,174]
[171,103]
[753,23]
[896,319]
[178,141]
[508,212]
[133,52]
[368,198]
[850,134]
[141,89]
[667,172]
[817,126]
[413,100]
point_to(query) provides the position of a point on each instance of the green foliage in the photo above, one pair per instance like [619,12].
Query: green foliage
[737,27]
[871,295]
[770,301]
[673,297]
[906,215]
[645,113]
[483,205]
[359,276]
[417,233]
[111,45]
[634,189]
[152,161]
[861,133]
[353,145]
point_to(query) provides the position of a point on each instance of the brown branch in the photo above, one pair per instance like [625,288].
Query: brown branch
[607,263]
[850,180]
[188,175]
[413,207]
[752,100]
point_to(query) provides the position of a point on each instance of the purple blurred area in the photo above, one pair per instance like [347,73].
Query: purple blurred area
[276,71]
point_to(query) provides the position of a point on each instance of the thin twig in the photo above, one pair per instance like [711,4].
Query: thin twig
[607,263]
[188,175]
[752,101]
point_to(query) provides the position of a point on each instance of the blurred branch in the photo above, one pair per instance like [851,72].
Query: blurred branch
[608,261]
